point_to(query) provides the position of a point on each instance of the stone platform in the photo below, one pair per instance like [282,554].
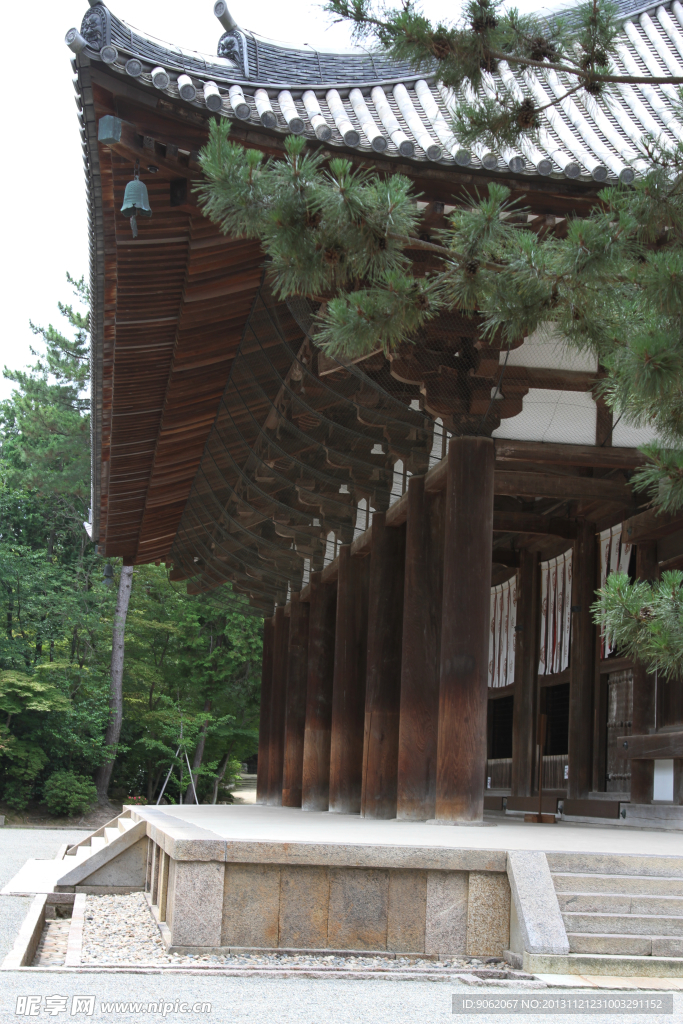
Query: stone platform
[226,878]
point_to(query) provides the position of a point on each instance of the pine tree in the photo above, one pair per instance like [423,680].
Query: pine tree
[350,239]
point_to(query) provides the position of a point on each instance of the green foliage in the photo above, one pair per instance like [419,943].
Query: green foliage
[68,793]
[490,38]
[645,620]
[192,663]
[45,426]
[57,614]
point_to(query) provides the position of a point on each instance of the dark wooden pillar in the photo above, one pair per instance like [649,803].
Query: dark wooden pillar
[526,675]
[644,690]
[463,691]
[678,780]
[348,690]
[383,676]
[264,714]
[317,735]
[582,661]
[277,708]
[421,652]
[295,713]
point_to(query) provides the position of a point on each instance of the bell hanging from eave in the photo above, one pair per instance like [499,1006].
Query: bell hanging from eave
[136,201]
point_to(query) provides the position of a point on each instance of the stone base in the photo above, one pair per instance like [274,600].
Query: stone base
[209,896]
[666,816]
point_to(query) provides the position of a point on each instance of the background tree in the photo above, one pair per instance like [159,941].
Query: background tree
[58,612]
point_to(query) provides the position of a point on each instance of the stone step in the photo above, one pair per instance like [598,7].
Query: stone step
[625,945]
[628,885]
[615,864]
[623,924]
[97,843]
[616,903]
[110,834]
[624,966]
[124,824]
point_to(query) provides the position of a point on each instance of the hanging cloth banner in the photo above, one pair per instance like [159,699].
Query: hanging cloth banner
[615,556]
[502,637]
[556,614]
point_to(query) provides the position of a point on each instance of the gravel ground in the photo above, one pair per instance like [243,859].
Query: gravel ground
[16,847]
[121,930]
[275,1001]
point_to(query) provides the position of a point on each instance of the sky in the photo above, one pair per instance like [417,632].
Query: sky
[44,224]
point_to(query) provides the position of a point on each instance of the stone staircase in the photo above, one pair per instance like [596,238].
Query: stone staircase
[624,906]
[111,856]
[112,859]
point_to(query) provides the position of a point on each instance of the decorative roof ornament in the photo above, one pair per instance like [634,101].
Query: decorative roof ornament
[96,27]
[136,200]
[232,45]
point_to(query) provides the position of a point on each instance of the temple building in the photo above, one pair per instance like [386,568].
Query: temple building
[423,532]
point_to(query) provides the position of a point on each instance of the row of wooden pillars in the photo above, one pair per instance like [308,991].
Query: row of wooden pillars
[374,693]
[370,703]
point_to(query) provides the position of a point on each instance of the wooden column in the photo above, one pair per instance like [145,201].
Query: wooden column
[278,698]
[264,714]
[644,689]
[461,751]
[383,675]
[295,713]
[582,661]
[678,781]
[348,690]
[420,653]
[317,735]
[526,676]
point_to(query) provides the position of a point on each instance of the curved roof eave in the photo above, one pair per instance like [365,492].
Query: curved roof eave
[366,102]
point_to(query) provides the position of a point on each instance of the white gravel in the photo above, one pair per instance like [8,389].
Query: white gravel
[121,930]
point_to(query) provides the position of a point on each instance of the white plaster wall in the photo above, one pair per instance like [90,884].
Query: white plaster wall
[567,417]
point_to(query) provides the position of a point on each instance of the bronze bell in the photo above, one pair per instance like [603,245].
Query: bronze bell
[136,202]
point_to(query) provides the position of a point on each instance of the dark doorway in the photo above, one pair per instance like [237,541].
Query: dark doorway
[500,727]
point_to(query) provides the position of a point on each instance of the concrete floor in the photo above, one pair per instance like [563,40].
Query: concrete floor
[291,824]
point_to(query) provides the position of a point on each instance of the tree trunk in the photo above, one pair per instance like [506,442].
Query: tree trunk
[111,737]
[198,756]
[221,773]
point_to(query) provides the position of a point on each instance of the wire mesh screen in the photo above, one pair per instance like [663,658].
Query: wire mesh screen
[305,448]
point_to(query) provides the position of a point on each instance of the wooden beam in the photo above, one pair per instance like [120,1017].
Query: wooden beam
[383,679]
[608,665]
[651,525]
[316,767]
[568,454]
[651,747]
[295,715]
[461,752]
[277,708]
[568,487]
[526,675]
[671,563]
[126,140]
[421,649]
[264,714]
[348,690]
[529,522]
[582,662]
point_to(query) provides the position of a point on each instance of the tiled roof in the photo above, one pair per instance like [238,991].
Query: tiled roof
[364,101]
